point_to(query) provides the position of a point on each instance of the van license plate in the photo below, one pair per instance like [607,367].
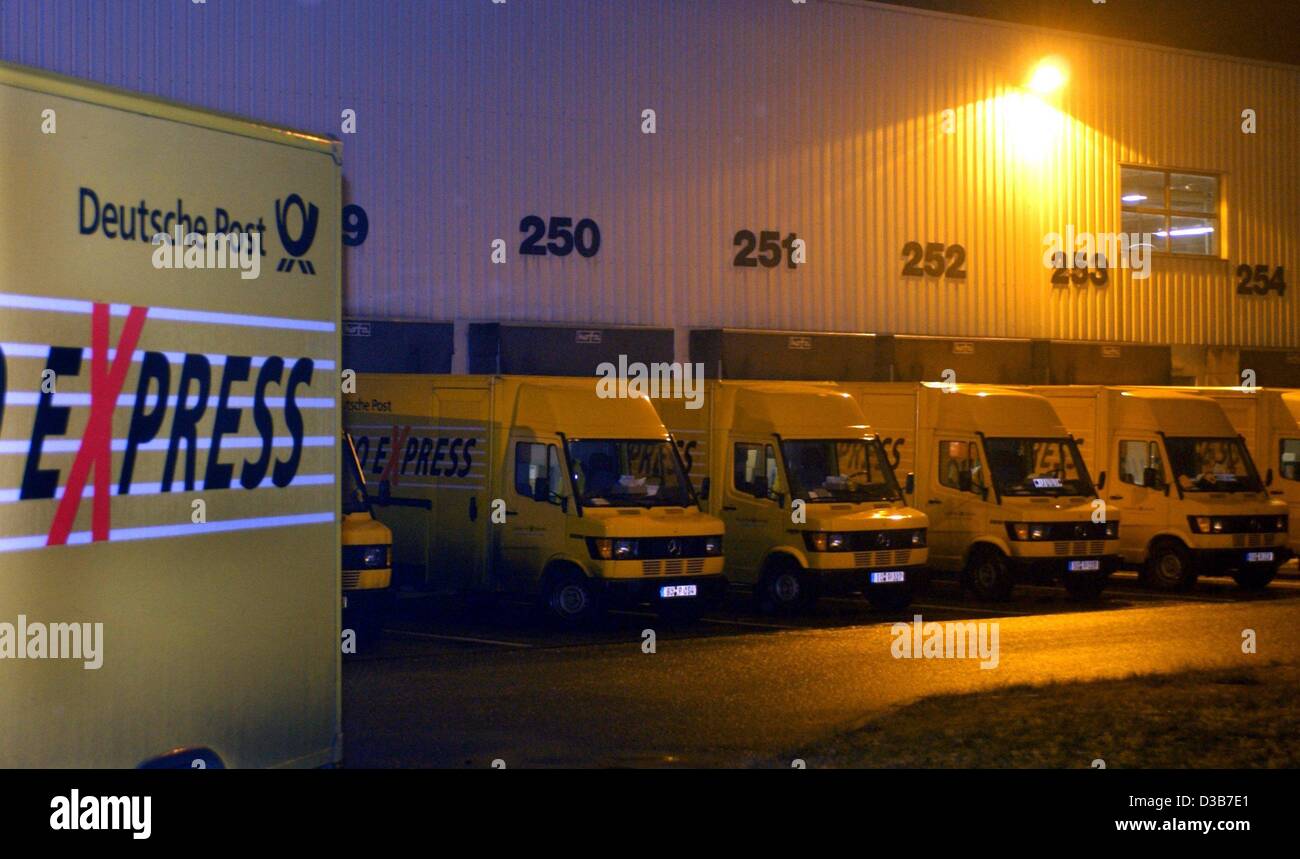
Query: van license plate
[1258,557]
[888,576]
[1084,566]
[670,591]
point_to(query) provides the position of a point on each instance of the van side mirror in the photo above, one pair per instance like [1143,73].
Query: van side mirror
[385,491]
[964,481]
[1151,477]
[909,483]
[759,489]
[1268,477]
[541,489]
[779,498]
[1101,480]
[704,490]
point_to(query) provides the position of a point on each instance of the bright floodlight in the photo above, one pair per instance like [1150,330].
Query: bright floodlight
[1048,77]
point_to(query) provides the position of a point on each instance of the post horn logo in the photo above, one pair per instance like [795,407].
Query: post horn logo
[296,248]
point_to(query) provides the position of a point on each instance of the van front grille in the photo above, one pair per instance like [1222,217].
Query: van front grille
[1079,547]
[896,558]
[673,567]
[351,578]
[1244,540]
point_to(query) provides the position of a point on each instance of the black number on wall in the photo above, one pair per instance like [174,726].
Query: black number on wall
[356,225]
[764,248]
[1259,276]
[563,238]
[934,259]
[1084,271]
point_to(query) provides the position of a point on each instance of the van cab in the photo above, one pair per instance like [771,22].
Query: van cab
[802,483]
[366,551]
[1007,492]
[1269,421]
[1194,504]
[535,486]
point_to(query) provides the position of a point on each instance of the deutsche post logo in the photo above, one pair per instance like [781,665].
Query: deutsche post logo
[296,248]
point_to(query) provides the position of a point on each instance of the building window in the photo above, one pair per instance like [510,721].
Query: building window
[1179,210]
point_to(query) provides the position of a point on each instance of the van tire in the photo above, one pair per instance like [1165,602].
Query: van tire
[1085,586]
[989,575]
[1255,577]
[570,598]
[784,588]
[1169,567]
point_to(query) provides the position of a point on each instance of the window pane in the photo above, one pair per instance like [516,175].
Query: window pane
[1135,457]
[750,467]
[1289,464]
[1193,236]
[1190,192]
[1137,222]
[1142,187]
[530,464]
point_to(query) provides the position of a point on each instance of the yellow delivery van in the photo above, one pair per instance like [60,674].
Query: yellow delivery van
[169,431]
[1269,420]
[802,484]
[1193,501]
[1007,492]
[537,486]
[366,552]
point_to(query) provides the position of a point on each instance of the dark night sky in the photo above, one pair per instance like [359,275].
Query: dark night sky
[1260,29]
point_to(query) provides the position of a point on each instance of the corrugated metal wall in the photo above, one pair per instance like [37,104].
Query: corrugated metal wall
[824,119]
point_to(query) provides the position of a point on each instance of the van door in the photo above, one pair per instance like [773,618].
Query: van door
[958,491]
[458,463]
[535,521]
[749,512]
[1140,481]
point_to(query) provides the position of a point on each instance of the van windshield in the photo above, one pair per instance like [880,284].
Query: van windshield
[628,473]
[839,470]
[354,483]
[1037,467]
[1212,465]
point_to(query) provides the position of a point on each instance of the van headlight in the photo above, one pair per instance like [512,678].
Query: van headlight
[365,557]
[1283,523]
[918,537]
[610,549]
[1206,524]
[1110,529]
[1027,531]
[713,545]
[825,541]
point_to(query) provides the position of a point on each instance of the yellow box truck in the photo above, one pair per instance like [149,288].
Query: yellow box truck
[1193,501]
[802,484]
[1269,421]
[367,552]
[169,420]
[537,486]
[1004,485]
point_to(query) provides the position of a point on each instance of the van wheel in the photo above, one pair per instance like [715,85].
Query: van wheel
[784,588]
[1169,567]
[570,598]
[1084,586]
[989,575]
[1255,577]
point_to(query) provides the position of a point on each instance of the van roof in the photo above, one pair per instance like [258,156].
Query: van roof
[807,409]
[1174,413]
[574,407]
[995,411]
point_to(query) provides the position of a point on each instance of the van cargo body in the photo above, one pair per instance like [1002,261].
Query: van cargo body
[1269,420]
[802,485]
[168,437]
[1194,503]
[534,485]
[1005,488]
